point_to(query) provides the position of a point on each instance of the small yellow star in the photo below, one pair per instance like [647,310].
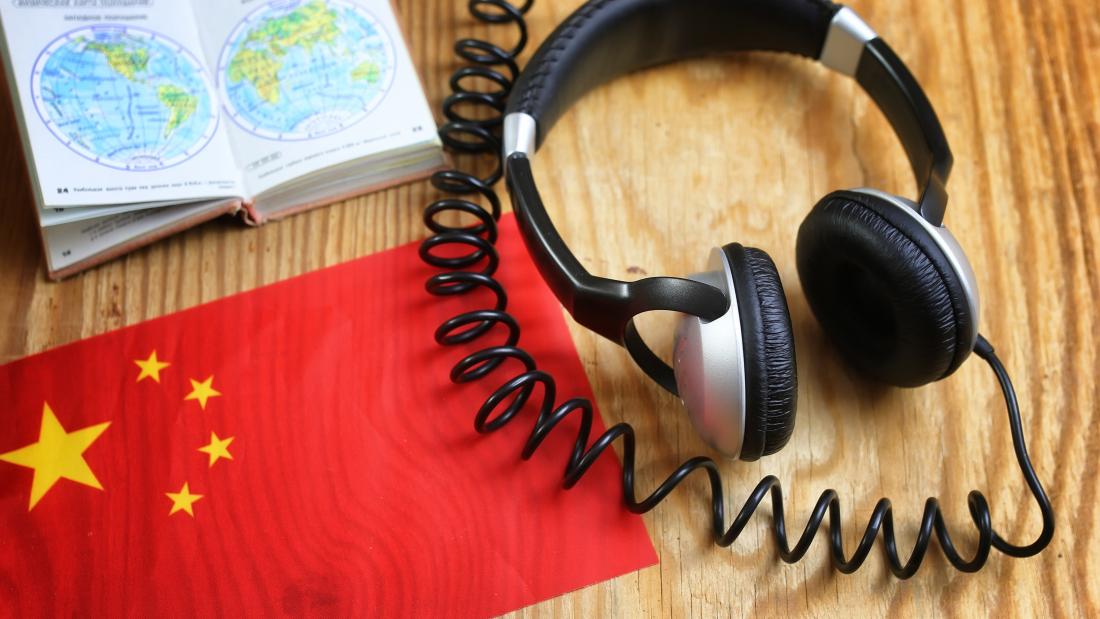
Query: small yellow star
[218,448]
[151,367]
[202,391]
[183,500]
[57,454]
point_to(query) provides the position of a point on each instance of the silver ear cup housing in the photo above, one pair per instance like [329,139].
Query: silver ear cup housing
[949,246]
[709,362]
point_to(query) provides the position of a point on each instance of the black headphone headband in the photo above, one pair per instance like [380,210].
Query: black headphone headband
[608,38]
[605,39]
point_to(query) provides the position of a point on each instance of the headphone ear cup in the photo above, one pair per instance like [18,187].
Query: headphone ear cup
[771,377]
[883,290]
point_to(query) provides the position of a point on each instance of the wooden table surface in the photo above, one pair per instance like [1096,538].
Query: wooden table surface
[659,167]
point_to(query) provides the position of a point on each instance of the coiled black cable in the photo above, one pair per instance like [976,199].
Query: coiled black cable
[474,135]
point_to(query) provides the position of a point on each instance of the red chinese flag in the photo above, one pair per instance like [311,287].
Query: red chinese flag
[297,449]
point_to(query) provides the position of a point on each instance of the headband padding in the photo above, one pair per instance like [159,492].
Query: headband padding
[607,38]
[771,379]
[882,290]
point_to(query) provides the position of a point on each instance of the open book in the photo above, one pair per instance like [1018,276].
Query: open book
[143,117]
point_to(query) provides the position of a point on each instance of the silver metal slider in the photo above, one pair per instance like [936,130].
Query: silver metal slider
[848,34]
[520,131]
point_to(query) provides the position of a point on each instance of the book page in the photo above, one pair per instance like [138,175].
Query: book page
[117,103]
[309,84]
[73,242]
[57,216]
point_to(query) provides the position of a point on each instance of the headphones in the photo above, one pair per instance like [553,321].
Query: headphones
[886,280]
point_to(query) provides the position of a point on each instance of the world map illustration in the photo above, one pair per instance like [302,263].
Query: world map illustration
[303,69]
[124,97]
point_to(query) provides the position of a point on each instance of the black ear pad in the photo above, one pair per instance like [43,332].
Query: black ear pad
[882,290]
[771,379]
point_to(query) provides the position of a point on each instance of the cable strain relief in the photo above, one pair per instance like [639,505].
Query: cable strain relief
[982,347]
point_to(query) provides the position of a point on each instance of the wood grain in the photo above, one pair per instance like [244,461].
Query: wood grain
[661,166]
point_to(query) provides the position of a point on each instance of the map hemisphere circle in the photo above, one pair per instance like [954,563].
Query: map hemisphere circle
[301,69]
[124,97]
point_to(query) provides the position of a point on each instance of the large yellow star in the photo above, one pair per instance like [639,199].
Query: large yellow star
[218,448]
[57,454]
[183,500]
[151,367]
[202,391]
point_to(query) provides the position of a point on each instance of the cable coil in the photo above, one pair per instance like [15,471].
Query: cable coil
[480,136]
